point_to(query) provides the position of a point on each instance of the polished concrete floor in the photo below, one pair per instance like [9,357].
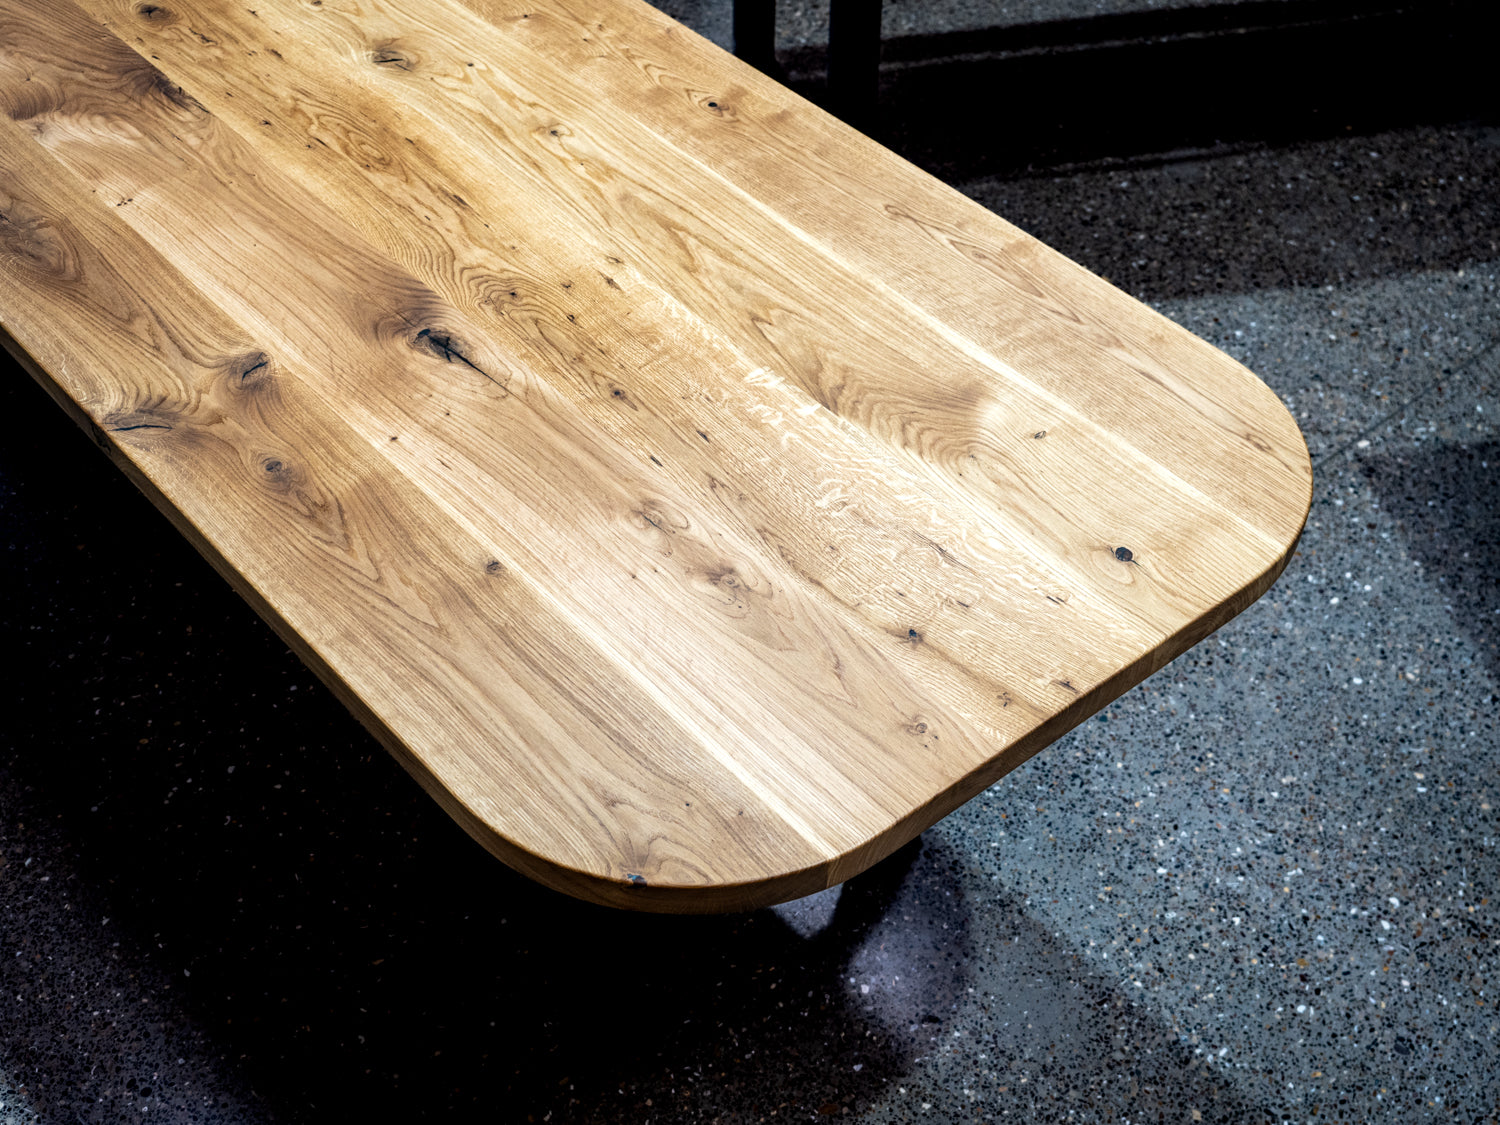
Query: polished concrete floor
[1262,887]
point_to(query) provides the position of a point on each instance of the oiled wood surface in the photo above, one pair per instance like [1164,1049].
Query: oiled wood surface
[696,498]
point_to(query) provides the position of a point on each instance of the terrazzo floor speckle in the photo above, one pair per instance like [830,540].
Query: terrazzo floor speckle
[1259,888]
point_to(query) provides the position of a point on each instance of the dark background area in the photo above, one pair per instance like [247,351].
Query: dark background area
[1117,88]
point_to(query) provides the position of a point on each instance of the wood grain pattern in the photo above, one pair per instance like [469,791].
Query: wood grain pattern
[697,499]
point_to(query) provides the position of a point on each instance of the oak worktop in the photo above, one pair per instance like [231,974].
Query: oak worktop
[695,497]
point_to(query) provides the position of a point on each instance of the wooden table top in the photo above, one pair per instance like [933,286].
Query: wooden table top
[698,499]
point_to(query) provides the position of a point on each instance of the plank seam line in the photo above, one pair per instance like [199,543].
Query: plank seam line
[973,350]
[722,755]
[690,728]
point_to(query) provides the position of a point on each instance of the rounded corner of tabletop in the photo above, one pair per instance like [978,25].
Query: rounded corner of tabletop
[699,499]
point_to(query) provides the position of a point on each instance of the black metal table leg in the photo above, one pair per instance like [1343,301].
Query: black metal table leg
[854,58]
[755,33]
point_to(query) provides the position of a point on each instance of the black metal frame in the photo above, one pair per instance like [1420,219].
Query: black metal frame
[853,49]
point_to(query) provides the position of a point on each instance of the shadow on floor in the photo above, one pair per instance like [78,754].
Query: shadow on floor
[329,932]
[1358,209]
[1443,499]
